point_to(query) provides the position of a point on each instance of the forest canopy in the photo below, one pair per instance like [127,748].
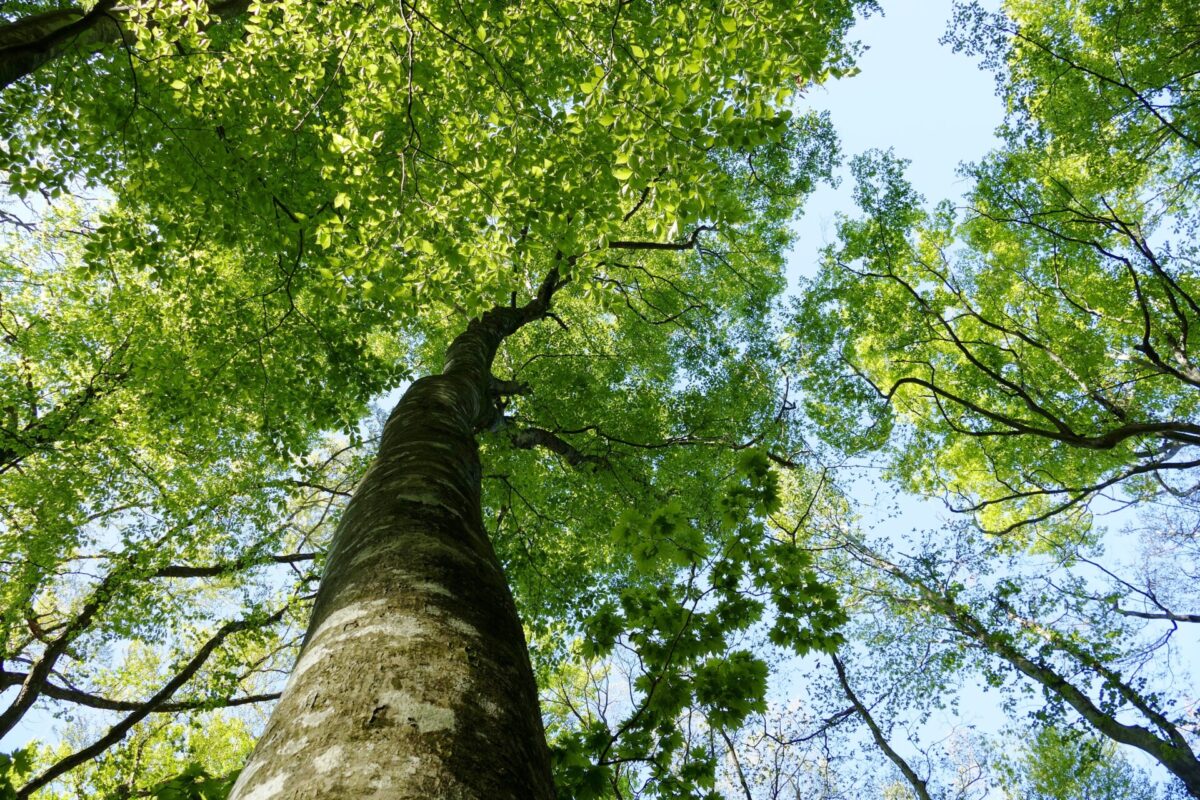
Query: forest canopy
[333,337]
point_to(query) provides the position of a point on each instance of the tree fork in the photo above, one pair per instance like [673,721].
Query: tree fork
[414,678]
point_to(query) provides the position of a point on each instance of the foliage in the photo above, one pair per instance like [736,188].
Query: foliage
[1029,359]
[282,233]
[688,596]
[14,767]
[194,784]
[1035,345]
[394,161]
[1062,764]
[294,208]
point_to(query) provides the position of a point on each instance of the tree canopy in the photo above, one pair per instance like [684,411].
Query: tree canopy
[234,231]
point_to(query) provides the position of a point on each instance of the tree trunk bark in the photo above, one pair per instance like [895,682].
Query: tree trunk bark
[414,679]
[28,43]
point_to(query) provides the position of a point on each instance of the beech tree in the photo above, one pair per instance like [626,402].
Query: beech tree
[304,205]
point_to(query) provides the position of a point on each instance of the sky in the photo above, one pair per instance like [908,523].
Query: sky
[931,105]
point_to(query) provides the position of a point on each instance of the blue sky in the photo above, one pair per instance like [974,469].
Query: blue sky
[932,106]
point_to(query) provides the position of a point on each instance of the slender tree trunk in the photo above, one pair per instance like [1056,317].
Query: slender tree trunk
[414,679]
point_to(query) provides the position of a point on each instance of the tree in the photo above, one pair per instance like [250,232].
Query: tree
[358,194]
[1061,764]
[1028,358]
[570,219]
[448,698]
[1039,340]
[1121,709]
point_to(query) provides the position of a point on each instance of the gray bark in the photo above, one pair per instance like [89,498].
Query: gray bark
[414,679]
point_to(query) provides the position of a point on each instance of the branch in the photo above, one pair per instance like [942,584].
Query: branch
[37,677]
[30,42]
[737,764]
[687,244]
[1167,615]
[919,785]
[117,732]
[215,570]
[33,41]
[531,438]
[46,430]
[1174,430]
[1141,99]
[82,698]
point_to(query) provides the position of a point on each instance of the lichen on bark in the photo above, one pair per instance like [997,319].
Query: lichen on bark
[414,679]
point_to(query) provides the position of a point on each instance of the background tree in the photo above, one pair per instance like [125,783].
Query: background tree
[1025,355]
[1062,764]
[1038,340]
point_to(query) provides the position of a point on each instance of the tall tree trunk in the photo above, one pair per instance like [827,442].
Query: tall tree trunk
[414,679]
